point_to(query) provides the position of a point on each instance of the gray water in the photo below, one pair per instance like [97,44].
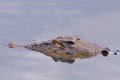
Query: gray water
[23,21]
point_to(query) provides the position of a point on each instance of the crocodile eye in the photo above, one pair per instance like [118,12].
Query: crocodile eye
[68,42]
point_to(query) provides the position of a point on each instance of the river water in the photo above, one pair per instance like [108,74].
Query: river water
[25,21]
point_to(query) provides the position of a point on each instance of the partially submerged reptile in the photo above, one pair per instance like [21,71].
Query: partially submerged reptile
[66,49]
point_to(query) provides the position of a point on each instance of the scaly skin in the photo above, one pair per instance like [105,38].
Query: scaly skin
[66,49]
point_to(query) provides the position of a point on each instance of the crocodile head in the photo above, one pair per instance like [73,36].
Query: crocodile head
[59,49]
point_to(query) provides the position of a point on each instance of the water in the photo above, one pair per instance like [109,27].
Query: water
[22,21]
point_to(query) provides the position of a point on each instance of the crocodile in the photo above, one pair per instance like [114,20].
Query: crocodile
[67,49]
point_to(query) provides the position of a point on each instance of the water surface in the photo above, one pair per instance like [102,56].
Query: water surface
[22,21]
